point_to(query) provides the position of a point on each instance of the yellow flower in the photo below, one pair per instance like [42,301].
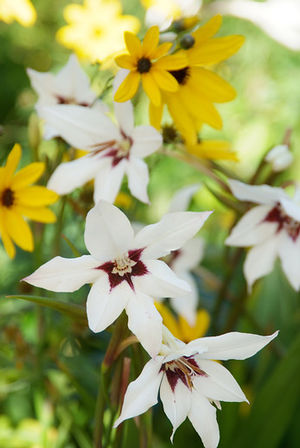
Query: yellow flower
[20,10]
[212,150]
[95,29]
[19,198]
[199,87]
[180,328]
[148,62]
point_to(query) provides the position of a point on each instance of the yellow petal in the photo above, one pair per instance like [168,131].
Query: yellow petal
[151,88]
[39,214]
[133,44]
[128,87]
[13,160]
[125,61]
[213,150]
[165,80]
[198,330]
[175,61]
[35,196]
[28,175]
[211,86]
[200,108]
[208,30]
[7,243]
[216,50]
[162,50]
[18,229]
[168,319]
[155,115]
[150,41]
[182,119]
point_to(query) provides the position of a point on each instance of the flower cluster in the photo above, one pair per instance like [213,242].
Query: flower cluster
[133,267]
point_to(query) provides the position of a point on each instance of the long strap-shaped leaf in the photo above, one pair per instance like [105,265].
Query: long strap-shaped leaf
[71,309]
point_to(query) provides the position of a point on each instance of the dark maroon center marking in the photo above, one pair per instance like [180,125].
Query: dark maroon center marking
[181,75]
[116,150]
[143,65]
[7,197]
[183,369]
[125,268]
[284,222]
[65,100]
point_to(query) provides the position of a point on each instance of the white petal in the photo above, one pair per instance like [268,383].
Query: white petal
[219,384]
[291,208]
[146,140]
[162,282]
[176,404]
[108,233]
[279,157]
[44,85]
[105,305]
[142,393]
[65,274]
[189,255]
[203,418]
[72,82]
[108,180]
[260,260]
[182,198]
[251,228]
[81,127]
[125,117]
[289,253]
[170,233]
[145,322]
[138,178]
[261,194]
[186,305]
[232,345]
[71,175]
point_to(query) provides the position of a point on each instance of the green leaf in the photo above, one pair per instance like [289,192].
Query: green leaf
[275,405]
[71,309]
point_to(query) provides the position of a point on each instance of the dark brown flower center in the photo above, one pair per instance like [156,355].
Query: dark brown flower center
[144,65]
[170,134]
[181,75]
[183,369]
[284,222]
[7,197]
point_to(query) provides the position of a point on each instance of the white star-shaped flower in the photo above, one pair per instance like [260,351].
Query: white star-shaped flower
[272,228]
[190,381]
[70,85]
[124,269]
[114,150]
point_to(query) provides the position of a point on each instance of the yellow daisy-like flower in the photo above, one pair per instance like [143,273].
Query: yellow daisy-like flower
[95,29]
[180,328]
[21,10]
[19,198]
[148,62]
[199,87]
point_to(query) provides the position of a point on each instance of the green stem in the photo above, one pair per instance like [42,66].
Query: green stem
[59,226]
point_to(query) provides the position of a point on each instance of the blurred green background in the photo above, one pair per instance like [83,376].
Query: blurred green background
[49,363]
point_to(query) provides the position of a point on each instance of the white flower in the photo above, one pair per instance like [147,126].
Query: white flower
[189,381]
[183,260]
[71,85]
[163,12]
[124,269]
[279,157]
[273,228]
[280,19]
[114,150]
